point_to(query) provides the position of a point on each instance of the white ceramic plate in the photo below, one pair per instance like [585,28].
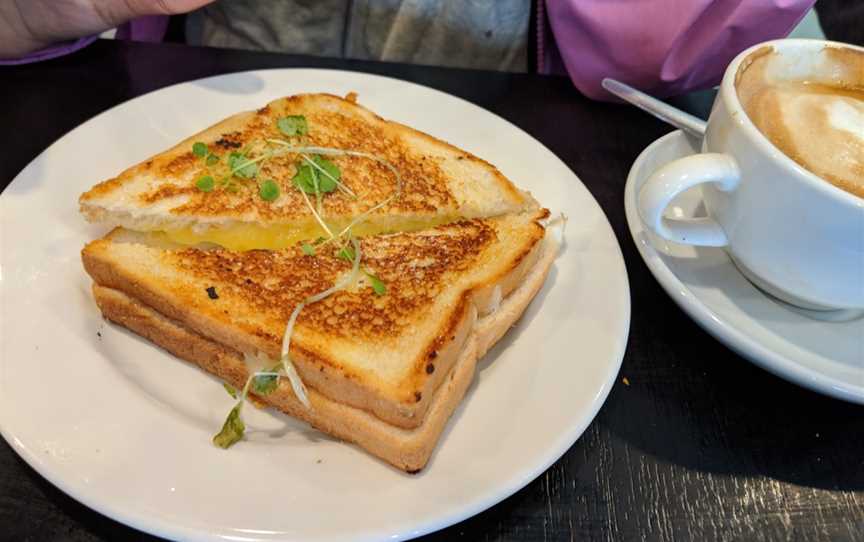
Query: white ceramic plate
[125,428]
[827,357]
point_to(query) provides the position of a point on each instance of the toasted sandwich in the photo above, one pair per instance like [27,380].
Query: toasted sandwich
[384,371]
[346,270]
[236,183]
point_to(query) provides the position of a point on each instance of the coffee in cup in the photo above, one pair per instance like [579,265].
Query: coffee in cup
[818,121]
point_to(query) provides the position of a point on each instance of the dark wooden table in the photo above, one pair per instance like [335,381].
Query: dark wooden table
[700,445]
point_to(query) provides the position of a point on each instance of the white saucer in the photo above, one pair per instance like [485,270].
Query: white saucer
[827,357]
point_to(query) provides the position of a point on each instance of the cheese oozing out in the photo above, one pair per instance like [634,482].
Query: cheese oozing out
[247,236]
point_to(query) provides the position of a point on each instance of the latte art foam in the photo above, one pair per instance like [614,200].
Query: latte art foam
[810,105]
[819,126]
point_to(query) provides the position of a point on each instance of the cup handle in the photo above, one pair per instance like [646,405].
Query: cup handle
[676,177]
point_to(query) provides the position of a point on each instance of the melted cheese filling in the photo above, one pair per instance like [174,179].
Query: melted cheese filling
[242,237]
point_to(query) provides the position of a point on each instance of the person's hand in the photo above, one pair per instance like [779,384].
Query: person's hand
[29,25]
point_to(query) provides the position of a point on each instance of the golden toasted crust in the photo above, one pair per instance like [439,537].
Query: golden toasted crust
[406,449]
[384,354]
[492,327]
[165,183]
[274,282]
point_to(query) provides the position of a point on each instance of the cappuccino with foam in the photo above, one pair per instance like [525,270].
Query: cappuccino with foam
[818,121]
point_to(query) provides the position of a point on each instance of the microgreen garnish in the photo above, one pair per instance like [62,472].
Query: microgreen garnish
[328,172]
[314,175]
[265,383]
[201,150]
[205,183]
[304,179]
[231,391]
[317,176]
[268,190]
[329,169]
[232,430]
[345,253]
[241,166]
[235,159]
[296,382]
[293,125]
[316,214]
[378,285]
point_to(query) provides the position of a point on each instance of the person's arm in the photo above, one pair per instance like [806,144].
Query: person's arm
[31,26]
[664,47]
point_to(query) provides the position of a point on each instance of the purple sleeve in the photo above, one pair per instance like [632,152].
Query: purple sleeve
[149,28]
[54,51]
[664,47]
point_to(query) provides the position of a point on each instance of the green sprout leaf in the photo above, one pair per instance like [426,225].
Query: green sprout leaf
[305,178]
[331,169]
[308,249]
[212,159]
[346,253]
[269,190]
[308,176]
[199,149]
[236,161]
[293,125]
[232,431]
[205,183]
[265,384]
[378,285]
[231,391]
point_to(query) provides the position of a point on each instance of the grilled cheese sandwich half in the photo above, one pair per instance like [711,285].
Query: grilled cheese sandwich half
[382,353]
[435,182]
[385,361]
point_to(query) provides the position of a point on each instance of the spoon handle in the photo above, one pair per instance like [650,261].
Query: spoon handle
[663,111]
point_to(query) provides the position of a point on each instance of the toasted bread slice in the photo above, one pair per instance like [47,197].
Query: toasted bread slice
[439,182]
[383,354]
[407,449]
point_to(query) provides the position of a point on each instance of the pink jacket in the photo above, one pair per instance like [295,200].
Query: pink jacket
[663,47]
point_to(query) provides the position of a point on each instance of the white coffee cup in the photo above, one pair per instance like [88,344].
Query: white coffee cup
[791,233]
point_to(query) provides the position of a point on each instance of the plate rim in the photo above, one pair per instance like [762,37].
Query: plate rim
[715,324]
[554,450]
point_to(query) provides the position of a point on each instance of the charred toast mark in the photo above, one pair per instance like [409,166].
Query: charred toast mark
[415,267]
[230,140]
